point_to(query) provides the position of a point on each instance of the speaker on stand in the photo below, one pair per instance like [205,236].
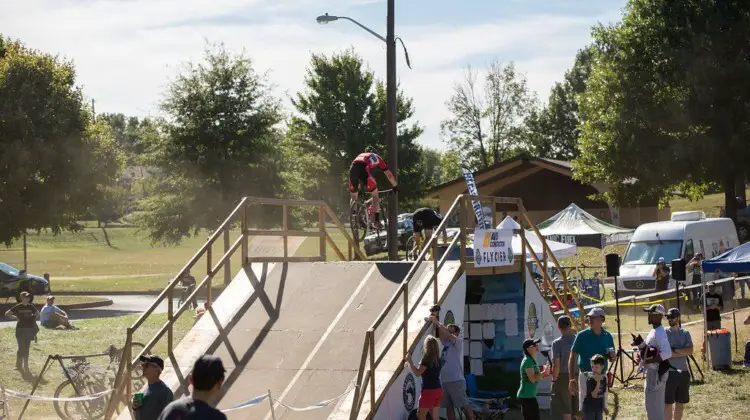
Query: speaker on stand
[613,270]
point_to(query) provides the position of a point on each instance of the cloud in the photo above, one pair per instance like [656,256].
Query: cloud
[126,51]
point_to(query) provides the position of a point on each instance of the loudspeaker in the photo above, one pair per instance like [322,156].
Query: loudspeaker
[678,269]
[613,265]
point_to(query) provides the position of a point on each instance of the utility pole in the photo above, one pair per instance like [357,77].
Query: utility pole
[392,144]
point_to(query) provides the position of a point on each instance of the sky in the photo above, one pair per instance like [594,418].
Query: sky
[127,51]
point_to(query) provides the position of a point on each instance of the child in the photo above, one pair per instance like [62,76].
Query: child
[596,385]
[429,370]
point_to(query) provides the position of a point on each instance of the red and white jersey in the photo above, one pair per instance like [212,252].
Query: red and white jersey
[372,160]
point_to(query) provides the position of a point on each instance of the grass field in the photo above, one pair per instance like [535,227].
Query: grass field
[94,336]
[709,204]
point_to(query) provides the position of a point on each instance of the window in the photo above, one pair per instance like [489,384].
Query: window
[689,252]
[645,253]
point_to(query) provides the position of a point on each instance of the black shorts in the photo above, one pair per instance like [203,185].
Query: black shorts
[359,175]
[425,219]
[678,388]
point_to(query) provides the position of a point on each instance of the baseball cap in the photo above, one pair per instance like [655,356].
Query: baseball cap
[208,370]
[596,312]
[655,309]
[563,321]
[25,294]
[673,313]
[158,361]
[530,342]
[661,259]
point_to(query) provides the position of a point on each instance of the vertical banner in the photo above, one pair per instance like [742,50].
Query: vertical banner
[478,212]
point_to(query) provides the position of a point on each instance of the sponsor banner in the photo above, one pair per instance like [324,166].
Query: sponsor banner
[476,205]
[493,247]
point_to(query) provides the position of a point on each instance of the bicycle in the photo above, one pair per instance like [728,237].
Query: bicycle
[85,379]
[361,214]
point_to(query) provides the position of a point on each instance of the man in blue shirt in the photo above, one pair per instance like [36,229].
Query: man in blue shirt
[591,341]
[677,393]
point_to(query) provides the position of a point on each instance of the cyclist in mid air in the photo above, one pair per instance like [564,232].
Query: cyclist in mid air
[360,174]
[426,219]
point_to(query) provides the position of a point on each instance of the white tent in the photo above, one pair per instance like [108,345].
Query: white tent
[559,249]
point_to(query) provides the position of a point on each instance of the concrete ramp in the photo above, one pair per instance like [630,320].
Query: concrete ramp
[303,338]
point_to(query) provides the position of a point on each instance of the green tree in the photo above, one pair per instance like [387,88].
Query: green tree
[666,105]
[450,166]
[129,132]
[340,112]
[219,143]
[488,127]
[53,159]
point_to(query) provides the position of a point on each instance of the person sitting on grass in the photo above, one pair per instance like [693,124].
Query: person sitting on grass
[596,385]
[52,317]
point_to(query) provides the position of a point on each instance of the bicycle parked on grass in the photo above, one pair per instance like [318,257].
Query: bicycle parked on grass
[86,379]
[362,216]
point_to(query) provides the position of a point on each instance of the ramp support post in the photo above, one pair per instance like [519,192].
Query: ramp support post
[371,339]
[406,317]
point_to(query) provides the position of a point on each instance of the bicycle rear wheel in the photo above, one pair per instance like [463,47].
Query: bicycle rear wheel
[412,250]
[74,410]
[358,221]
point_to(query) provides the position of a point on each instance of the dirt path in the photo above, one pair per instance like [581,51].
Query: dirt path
[112,276]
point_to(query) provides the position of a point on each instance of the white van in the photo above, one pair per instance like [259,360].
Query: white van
[687,233]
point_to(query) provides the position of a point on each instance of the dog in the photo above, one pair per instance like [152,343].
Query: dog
[648,352]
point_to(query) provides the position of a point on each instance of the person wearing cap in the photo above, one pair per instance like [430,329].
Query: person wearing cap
[593,340]
[26,314]
[207,378]
[677,393]
[530,375]
[657,365]
[52,316]
[157,394]
[661,275]
[563,403]
[714,306]
[452,373]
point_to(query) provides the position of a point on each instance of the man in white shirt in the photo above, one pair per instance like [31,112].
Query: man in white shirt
[656,363]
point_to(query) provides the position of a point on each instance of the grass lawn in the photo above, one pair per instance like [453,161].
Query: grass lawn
[709,204]
[94,336]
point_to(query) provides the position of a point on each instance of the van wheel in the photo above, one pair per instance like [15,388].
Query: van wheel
[742,231]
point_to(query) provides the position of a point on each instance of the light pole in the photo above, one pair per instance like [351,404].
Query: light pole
[391,105]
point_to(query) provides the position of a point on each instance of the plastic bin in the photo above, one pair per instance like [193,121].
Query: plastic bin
[720,346]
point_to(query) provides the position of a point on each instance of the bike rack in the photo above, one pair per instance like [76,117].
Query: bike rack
[239,216]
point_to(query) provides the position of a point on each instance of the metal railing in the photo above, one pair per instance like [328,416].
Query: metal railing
[240,215]
[370,360]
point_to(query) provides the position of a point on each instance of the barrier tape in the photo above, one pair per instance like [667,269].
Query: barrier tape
[321,404]
[4,406]
[250,403]
[25,396]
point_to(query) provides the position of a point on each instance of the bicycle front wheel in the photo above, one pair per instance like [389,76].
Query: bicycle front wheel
[412,250]
[75,410]
[358,221]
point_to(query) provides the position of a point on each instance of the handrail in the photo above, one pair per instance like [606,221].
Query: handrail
[122,383]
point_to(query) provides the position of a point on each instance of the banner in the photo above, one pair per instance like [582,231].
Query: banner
[478,212]
[493,247]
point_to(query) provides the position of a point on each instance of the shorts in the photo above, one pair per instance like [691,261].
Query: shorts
[430,398]
[562,401]
[360,175]
[425,220]
[713,325]
[454,395]
[678,388]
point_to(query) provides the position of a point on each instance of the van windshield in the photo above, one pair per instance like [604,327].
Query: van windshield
[646,253]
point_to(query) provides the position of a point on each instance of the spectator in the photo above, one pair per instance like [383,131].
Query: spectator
[714,306]
[563,402]
[656,364]
[661,275]
[207,379]
[747,346]
[157,394]
[677,393]
[596,387]
[429,371]
[26,314]
[52,317]
[593,340]
[530,375]
[696,277]
[452,373]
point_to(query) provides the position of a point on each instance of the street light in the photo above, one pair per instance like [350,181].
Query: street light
[391,104]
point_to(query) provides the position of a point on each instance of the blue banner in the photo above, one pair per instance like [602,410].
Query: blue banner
[478,212]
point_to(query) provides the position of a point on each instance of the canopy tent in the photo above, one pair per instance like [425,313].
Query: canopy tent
[573,225]
[559,249]
[736,260]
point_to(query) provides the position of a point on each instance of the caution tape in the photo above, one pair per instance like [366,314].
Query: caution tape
[260,398]
[250,403]
[24,396]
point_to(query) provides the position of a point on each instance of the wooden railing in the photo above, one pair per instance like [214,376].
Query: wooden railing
[462,208]
[239,216]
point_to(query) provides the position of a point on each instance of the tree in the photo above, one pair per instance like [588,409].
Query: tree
[666,104]
[219,143]
[450,166]
[340,112]
[129,132]
[553,131]
[53,158]
[487,128]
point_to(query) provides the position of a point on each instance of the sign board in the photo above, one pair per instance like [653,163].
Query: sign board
[493,247]
[476,205]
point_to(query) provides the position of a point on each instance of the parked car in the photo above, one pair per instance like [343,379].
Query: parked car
[374,243]
[14,281]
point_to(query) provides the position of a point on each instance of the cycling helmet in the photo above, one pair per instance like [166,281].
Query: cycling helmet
[371,149]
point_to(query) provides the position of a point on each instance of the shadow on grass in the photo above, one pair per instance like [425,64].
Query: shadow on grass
[616,403]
